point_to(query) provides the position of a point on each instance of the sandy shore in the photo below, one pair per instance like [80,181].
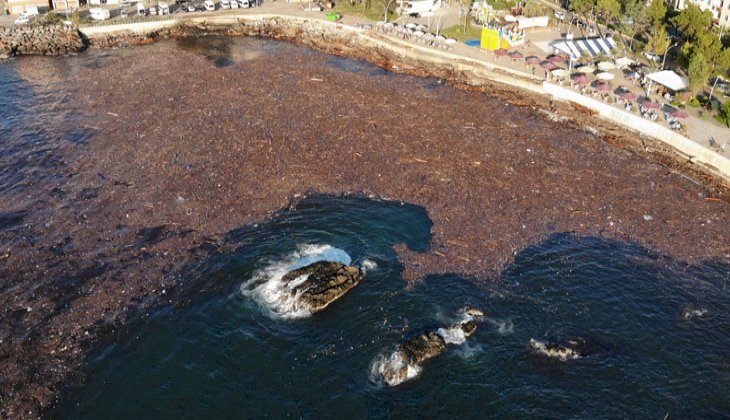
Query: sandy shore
[197,151]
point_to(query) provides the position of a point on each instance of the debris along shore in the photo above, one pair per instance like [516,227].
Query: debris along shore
[149,190]
[519,88]
[41,40]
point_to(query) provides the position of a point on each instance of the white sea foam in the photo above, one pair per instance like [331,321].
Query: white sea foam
[453,335]
[503,327]
[694,313]
[557,352]
[392,370]
[368,265]
[278,298]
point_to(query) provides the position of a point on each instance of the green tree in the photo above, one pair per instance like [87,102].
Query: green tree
[725,113]
[656,12]
[709,46]
[609,9]
[533,8]
[582,6]
[698,72]
[635,18]
[692,20]
[659,42]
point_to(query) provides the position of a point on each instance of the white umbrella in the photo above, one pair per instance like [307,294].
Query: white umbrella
[605,76]
[623,62]
[585,69]
[559,72]
[606,65]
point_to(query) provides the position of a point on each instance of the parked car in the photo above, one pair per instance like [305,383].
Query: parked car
[22,20]
[163,8]
[124,14]
[141,11]
[209,5]
[225,4]
[153,11]
[244,4]
[234,4]
[99,14]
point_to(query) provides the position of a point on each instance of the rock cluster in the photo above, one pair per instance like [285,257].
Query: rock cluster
[324,282]
[42,40]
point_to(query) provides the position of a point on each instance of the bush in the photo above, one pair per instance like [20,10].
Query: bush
[49,19]
[694,103]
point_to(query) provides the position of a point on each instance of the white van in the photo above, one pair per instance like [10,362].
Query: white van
[225,4]
[209,5]
[243,4]
[418,7]
[234,4]
[163,8]
[141,10]
[99,13]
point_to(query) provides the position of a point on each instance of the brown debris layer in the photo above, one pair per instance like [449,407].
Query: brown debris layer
[200,151]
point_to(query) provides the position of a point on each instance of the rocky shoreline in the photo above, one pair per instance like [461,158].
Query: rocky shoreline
[100,259]
[41,40]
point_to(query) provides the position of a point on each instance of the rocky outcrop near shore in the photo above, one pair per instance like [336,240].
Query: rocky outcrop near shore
[321,283]
[43,40]
[405,363]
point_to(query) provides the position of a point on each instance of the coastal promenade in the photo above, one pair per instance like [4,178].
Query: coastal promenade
[461,59]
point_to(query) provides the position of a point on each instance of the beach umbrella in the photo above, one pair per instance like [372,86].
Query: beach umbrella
[603,87]
[648,104]
[581,79]
[559,72]
[516,55]
[606,65]
[501,52]
[678,113]
[628,96]
[605,76]
[532,60]
[556,58]
[623,62]
[548,65]
[586,69]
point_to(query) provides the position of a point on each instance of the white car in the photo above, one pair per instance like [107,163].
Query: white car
[209,5]
[141,10]
[153,11]
[234,4]
[225,4]
[22,20]
[243,4]
[99,14]
[163,8]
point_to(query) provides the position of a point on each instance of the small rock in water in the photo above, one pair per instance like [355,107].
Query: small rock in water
[322,283]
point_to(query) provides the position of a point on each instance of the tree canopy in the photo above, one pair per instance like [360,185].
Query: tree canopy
[656,12]
[698,72]
[692,20]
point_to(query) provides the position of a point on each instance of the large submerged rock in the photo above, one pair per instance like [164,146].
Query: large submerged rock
[423,347]
[319,284]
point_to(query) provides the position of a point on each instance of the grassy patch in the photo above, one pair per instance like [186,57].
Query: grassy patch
[472,32]
[374,13]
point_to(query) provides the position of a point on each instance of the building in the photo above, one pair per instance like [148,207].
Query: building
[714,6]
[65,5]
[17,7]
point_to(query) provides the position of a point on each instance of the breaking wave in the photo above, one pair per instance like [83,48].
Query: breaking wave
[392,370]
[453,335]
[556,352]
[277,298]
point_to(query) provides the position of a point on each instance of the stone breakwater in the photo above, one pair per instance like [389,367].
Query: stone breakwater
[44,40]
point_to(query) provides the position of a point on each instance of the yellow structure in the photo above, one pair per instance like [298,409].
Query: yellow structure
[491,39]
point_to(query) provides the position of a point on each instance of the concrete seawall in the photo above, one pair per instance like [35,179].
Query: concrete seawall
[469,70]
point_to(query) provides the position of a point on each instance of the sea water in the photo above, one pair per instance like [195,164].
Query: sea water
[656,332]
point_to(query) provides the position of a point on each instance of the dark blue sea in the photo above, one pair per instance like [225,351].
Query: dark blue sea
[655,330]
